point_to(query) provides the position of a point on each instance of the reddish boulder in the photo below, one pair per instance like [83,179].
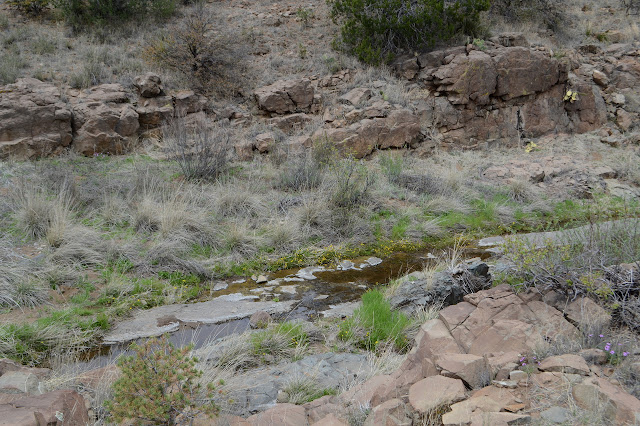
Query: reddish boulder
[62,407]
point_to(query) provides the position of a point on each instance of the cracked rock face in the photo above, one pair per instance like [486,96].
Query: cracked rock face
[34,121]
[286,96]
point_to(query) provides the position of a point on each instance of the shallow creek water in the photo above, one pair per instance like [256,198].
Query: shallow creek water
[317,290]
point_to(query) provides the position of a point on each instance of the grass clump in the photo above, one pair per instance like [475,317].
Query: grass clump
[306,389]
[301,174]
[375,30]
[283,340]
[375,323]
[11,65]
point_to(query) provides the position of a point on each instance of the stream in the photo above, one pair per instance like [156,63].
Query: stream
[301,293]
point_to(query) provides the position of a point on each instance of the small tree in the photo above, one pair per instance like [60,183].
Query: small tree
[374,30]
[159,384]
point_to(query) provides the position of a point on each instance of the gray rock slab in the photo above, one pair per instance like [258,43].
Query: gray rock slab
[258,389]
[307,273]
[19,382]
[540,239]
[167,319]
[345,265]
[341,310]
[556,415]
[373,261]
[290,289]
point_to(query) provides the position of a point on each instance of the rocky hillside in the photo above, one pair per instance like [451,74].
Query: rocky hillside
[503,92]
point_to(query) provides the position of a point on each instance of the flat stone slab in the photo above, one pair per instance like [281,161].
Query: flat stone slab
[540,239]
[167,319]
[258,389]
[341,310]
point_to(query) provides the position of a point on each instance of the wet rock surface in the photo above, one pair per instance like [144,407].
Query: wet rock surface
[164,319]
[446,288]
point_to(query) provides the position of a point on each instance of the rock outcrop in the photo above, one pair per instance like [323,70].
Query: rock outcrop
[23,401]
[378,126]
[104,121]
[62,407]
[505,90]
[34,120]
[500,94]
[482,344]
[39,119]
[447,288]
[286,96]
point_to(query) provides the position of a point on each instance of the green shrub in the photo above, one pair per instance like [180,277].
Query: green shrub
[159,384]
[86,13]
[546,12]
[353,182]
[375,30]
[30,7]
[380,323]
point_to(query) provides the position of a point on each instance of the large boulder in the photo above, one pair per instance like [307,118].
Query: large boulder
[280,415]
[286,96]
[446,288]
[401,128]
[502,92]
[62,407]
[473,370]
[522,71]
[390,413]
[34,120]
[104,128]
[433,392]
[149,85]
[19,382]
[104,121]
[154,112]
[618,406]
[467,78]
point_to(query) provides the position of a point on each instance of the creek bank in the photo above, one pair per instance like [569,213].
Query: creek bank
[541,239]
[299,293]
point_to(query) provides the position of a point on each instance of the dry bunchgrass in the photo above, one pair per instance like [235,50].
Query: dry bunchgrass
[20,286]
[233,200]
[79,245]
[37,211]
[440,204]
[559,393]
[520,190]
[283,235]
[240,240]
